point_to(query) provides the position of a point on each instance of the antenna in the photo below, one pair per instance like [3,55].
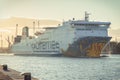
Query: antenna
[33,27]
[16,29]
[38,24]
[87,16]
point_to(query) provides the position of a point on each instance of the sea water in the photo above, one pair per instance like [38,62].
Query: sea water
[66,68]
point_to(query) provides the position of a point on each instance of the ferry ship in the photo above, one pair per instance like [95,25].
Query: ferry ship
[74,38]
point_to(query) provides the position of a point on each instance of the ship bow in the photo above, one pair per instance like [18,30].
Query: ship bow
[87,47]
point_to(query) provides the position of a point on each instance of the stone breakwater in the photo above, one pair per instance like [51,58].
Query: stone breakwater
[11,74]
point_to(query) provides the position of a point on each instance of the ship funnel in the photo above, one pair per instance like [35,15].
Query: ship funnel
[25,32]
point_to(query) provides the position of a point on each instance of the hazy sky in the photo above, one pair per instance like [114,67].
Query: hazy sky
[101,10]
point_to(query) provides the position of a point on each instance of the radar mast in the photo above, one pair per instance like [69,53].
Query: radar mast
[87,16]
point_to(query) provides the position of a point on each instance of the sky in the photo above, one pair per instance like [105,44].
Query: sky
[100,10]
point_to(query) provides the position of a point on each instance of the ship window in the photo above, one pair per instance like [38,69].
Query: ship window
[88,25]
[79,24]
[83,29]
[102,25]
[91,25]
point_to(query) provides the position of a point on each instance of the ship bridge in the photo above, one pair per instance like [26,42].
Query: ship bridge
[90,24]
[85,27]
[86,24]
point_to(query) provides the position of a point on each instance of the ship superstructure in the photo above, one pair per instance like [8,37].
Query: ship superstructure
[74,38]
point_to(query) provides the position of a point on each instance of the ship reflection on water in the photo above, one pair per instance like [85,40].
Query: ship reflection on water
[66,68]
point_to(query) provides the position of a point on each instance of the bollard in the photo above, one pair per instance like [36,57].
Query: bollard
[27,76]
[5,68]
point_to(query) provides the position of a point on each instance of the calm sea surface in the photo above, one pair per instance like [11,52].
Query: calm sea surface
[65,68]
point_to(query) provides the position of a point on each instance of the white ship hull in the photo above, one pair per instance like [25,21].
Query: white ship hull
[74,38]
[83,47]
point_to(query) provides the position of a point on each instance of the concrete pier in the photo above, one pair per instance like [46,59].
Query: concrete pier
[11,74]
